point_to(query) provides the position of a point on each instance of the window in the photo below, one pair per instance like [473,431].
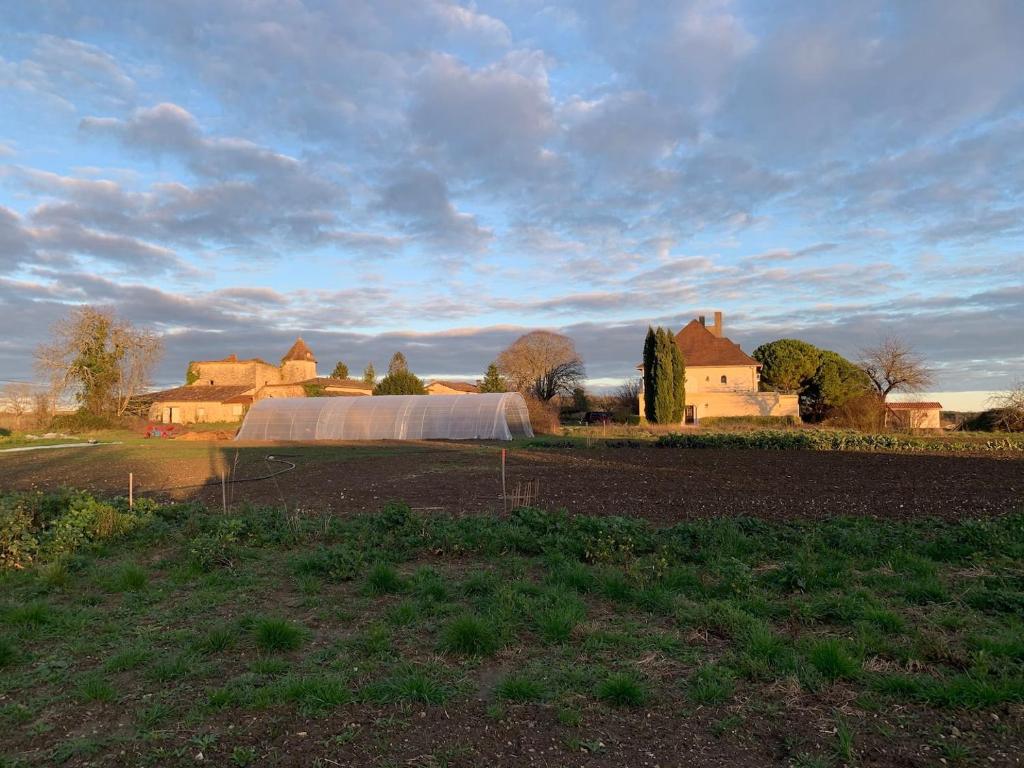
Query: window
[725,379]
[211,382]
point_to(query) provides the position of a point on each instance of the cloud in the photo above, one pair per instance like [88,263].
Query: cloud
[419,198]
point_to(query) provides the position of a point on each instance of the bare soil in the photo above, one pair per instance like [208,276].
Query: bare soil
[659,484]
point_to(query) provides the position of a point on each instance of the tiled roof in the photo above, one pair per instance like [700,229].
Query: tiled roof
[330,381]
[201,393]
[458,386]
[299,351]
[920,406]
[701,347]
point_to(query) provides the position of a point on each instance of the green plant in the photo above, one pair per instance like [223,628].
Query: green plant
[128,578]
[217,639]
[471,635]
[243,756]
[622,690]
[383,579]
[832,660]
[129,658]
[8,652]
[520,687]
[556,621]
[275,635]
[712,684]
[93,687]
[844,740]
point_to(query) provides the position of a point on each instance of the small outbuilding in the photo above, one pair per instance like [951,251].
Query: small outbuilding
[912,416]
[499,416]
[439,387]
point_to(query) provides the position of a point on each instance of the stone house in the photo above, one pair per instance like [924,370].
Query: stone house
[438,387]
[721,379]
[222,390]
[913,416]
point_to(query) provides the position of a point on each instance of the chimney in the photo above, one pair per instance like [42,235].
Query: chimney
[701,320]
[716,329]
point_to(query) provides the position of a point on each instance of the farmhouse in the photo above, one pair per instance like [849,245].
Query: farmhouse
[722,379]
[911,416]
[223,390]
[438,387]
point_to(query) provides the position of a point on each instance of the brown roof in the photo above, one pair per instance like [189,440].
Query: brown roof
[232,358]
[330,381]
[458,386]
[201,393]
[920,406]
[701,347]
[299,351]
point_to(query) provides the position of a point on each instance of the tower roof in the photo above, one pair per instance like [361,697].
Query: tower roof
[299,351]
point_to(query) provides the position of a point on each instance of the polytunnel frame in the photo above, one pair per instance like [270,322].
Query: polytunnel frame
[509,418]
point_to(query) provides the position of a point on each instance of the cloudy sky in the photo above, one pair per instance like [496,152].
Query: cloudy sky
[437,177]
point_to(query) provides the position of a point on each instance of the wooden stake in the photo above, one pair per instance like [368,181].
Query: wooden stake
[131,491]
[224,491]
[504,497]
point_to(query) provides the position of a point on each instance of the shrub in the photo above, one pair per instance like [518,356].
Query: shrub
[470,635]
[832,440]
[339,563]
[218,547]
[82,421]
[622,690]
[274,635]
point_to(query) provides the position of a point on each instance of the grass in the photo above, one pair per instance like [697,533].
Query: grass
[622,690]
[918,621]
[471,635]
[276,635]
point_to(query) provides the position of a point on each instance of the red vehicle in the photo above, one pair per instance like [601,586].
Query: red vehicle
[162,430]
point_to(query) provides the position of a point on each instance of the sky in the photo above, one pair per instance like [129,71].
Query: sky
[439,177]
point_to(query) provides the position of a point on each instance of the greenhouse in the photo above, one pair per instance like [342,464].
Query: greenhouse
[498,416]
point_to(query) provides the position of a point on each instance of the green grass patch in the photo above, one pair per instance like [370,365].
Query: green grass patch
[471,635]
[711,684]
[520,687]
[276,635]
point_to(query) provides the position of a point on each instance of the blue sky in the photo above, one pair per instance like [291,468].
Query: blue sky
[439,177]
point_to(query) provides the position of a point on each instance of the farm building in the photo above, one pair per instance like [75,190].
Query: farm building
[222,390]
[389,417]
[438,387]
[911,416]
[722,379]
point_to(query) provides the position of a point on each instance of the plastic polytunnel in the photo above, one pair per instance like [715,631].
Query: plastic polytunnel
[497,416]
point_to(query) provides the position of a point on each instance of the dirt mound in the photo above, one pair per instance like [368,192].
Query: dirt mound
[206,436]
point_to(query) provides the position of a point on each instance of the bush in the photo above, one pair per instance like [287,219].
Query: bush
[18,544]
[544,416]
[81,421]
[218,547]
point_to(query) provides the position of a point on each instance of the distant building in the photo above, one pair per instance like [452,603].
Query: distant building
[721,379]
[438,387]
[913,416]
[222,390]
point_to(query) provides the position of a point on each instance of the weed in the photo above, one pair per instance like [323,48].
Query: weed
[520,687]
[8,652]
[844,740]
[150,717]
[276,635]
[383,579]
[217,640]
[471,635]
[243,756]
[314,694]
[93,687]
[132,657]
[556,621]
[409,684]
[712,684]
[569,717]
[429,585]
[832,660]
[622,690]
[172,668]
[128,578]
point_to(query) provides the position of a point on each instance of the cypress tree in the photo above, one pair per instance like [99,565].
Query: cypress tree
[650,365]
[679,382]
[493,381]
[664,389]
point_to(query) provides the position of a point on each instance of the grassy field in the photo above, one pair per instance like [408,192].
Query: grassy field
[169,635]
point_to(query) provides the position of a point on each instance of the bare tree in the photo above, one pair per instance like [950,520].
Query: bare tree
[542,364]
[893,366]
[17,401]
[1009,408]
[104,359]
[627,396]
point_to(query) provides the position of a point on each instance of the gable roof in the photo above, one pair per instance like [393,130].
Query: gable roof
[200,393]
[299,351]
[918,406]
[701,347]
[458,386]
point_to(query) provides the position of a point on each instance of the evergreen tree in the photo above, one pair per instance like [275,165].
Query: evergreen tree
[664,386]
[678,381]
[369,375]
[398,363]
[340,371]
[401,382]
[493,381]
[650,373]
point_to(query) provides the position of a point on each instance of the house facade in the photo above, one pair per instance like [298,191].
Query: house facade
[721,379]
[438,387]
[223,390]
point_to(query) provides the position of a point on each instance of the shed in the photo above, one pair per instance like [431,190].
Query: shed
[913,415]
